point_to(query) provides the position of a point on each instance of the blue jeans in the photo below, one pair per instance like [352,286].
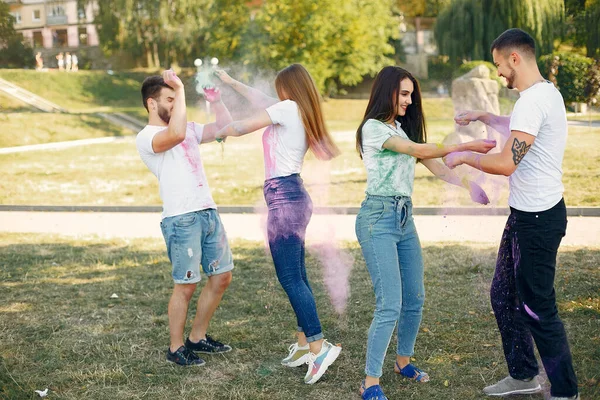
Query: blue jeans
[390,245]
[290,209]
[196,238]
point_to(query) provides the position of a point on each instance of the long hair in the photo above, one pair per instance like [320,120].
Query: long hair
[383,105]
[295,83]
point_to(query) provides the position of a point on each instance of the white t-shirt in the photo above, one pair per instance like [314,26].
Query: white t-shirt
[181,179]
[284,142]
[536,184]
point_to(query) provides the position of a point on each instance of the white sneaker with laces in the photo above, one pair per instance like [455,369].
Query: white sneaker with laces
[298,355]
[318,363]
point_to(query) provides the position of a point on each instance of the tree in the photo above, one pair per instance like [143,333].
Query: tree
[338,41]
[154,32]
[13,52]
[421,8]
[227,29]
[465,28]
[592,28]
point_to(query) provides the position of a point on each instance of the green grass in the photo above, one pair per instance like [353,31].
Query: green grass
[60,329]
[113,174]
[10,104]
[42,127]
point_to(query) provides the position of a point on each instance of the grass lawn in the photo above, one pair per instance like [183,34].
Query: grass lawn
[113,174]
[40,127]
[61,330]
[10,104]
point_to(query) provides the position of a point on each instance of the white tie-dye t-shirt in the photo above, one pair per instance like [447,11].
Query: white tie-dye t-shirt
[388,173]
[181,179]
[284,142]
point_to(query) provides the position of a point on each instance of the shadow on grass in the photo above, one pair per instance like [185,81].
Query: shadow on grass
[61,329]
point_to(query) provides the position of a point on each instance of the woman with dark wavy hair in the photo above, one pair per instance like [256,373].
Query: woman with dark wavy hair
[391,139]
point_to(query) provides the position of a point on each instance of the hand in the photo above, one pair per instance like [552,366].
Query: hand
[477,194]
[481,145]
[212,94]
[171,79]
[453,160]
[464,118]
[224,77]
[220,136]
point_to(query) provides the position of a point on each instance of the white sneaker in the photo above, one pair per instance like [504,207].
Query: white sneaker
[298,356]
[318,363]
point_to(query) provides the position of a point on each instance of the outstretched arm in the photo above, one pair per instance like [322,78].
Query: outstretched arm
[245,126]
[437,168]
[500,123]
[503,163]
[257,98]
[213,96]
[435,150]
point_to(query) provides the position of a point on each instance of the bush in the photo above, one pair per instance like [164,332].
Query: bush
[439,68]
[572,73]
[16,54]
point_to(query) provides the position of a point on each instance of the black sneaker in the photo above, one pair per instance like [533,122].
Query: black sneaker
[208,345]
[184,356]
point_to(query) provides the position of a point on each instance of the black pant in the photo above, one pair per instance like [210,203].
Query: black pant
[524,300]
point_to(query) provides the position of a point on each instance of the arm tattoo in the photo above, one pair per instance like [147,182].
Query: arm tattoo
[519,149]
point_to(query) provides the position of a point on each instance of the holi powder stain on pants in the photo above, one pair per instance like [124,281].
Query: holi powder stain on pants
[192,155]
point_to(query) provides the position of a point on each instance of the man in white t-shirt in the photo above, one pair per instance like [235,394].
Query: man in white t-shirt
[522,291]
[190,224]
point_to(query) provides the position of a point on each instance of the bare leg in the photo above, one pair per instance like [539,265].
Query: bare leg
[208,301]
[178,306]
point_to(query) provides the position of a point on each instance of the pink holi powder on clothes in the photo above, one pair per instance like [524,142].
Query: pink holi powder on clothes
[269,145]
[192,155]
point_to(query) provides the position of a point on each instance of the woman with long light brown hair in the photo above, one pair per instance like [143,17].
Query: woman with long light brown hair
[294,124]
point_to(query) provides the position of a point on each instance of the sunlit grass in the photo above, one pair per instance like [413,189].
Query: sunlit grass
[62,330]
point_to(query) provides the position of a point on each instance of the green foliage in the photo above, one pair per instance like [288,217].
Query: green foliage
[155,33]
[337,41]
[465,29]
[592,28]
[439,68]
[227,28]
[571,73]
[13,52]
[421,8]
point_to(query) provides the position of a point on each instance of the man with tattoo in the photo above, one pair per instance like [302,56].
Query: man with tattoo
[522,292]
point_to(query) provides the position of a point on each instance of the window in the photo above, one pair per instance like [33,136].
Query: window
[56,11]
[17,16]
[38,39]
[59,38]
[81,12]
[37,15]
[83,36]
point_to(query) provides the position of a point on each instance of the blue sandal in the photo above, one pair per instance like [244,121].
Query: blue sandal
[372,392]
[412,372]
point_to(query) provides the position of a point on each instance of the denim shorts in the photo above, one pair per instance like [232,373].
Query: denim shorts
[196,238]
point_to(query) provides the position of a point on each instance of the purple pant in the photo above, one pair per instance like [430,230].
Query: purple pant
[524,300]
[290,209]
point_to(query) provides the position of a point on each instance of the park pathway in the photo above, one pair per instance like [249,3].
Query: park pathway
[485,229]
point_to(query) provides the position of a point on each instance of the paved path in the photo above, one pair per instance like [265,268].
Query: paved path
[582,231]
